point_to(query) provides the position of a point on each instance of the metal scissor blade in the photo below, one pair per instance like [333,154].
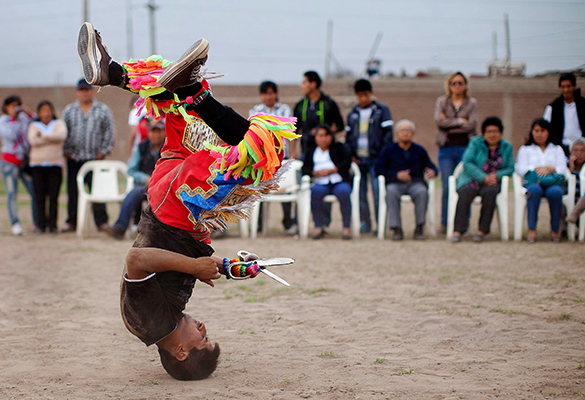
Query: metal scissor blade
[269,262]
[275,277]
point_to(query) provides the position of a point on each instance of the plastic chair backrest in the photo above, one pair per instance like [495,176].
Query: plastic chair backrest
[290,179]
[105,180]
[458,170]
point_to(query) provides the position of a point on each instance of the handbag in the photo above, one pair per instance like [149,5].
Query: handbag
[544,181]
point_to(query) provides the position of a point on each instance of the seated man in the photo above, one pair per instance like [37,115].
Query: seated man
[140,167]
[198,185]
[405,165]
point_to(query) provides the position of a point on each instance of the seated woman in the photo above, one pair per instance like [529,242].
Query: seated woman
[487,159]
[543,165]
[328,163]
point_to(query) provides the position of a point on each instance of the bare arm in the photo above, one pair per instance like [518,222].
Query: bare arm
[141,262]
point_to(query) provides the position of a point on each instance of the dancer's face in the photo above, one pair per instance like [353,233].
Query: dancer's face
[193,333]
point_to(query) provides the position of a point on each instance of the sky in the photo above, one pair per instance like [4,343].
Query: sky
[255,40]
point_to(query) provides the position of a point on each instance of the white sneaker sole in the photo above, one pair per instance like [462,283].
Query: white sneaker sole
[197,51]
[88,55]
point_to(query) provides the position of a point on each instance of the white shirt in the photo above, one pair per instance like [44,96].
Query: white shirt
[322,160]
[572,128]
[364,127]
[531,156]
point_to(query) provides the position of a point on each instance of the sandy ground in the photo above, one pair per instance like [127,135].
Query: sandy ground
[365,319]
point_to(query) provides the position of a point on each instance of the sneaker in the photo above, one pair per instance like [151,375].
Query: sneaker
[419,233]
[456,239]
[478,238]
[186,70]
[293,230]
[114,231]
[398,234]
[93,55]
[365,228]
[68,228]
[17,229]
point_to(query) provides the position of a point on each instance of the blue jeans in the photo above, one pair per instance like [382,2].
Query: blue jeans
[449,157]
[554,195]
[368,167]
[131,202]
[11,173]
[341,190]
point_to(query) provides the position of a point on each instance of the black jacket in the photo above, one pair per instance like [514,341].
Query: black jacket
[557,119]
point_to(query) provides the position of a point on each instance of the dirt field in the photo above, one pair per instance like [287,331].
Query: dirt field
[364,319]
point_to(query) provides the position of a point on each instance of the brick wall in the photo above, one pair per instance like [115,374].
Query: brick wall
[517,101]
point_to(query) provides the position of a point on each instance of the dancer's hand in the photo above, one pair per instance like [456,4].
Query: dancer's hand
[206,269]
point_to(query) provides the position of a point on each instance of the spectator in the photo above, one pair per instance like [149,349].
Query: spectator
[15,149]
[566,113]
[90,136]
[138,123]
[46,136]
[576,163]
[456,118]
[271,105]
[406,165]
[369,128]
[140,167]
[543,165]
[314,109]
[486,160]
[329,162]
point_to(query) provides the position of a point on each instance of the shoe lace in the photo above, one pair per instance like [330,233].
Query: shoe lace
[198,74]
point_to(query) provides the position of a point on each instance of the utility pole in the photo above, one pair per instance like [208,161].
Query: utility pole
[494,46]
[328,48]
[85,11]
[129,30]
[151,9]
[507,35]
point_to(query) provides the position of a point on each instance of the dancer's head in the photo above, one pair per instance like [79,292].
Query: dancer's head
[187,353]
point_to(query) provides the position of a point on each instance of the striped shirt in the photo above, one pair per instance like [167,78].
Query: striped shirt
[88,134]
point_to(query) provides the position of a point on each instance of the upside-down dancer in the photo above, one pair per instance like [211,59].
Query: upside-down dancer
[214,165]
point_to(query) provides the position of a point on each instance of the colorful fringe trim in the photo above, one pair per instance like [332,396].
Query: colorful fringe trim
[257,155]
[143,80]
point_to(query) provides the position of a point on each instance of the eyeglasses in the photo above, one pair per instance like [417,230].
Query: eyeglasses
[457,83]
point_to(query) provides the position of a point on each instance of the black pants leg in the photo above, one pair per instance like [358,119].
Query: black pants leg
[73,167]
[488,205]
[40,188]
[466,195]
[54,182]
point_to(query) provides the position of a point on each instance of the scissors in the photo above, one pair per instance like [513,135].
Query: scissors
[247,258]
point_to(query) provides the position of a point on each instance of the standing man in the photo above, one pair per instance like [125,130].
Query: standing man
[566,113]
[91,134]
[271,105]
[314,109]
[369,128]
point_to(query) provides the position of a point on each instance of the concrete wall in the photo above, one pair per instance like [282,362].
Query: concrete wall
[517,101]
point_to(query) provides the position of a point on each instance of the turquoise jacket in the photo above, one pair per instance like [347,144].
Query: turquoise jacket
[476,156]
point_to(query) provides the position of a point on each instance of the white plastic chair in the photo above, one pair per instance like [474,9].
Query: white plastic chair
[582,217]
[501,204]
[354,197]
[105,187]
[520,204]
[291,191]
[383,207]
